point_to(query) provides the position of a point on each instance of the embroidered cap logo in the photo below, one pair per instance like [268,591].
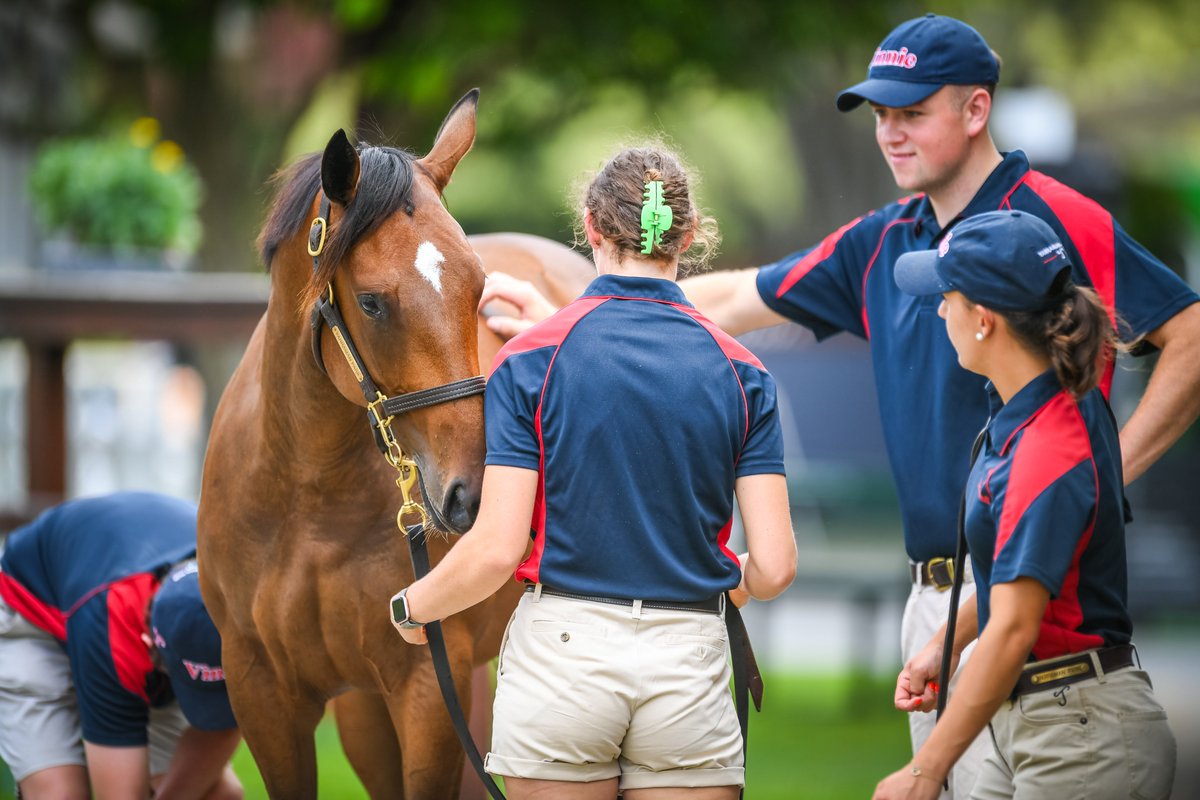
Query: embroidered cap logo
[944,247]
[894,58]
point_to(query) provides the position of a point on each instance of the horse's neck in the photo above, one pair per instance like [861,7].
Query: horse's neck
[302,412]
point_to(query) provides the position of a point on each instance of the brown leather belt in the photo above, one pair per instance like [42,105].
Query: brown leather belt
[936,572]
[1059,672]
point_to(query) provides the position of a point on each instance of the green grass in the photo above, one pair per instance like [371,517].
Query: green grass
[817,736]
[824,737]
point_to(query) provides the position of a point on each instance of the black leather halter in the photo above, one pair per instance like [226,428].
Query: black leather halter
[380,407]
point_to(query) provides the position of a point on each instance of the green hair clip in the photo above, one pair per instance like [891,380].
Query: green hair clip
[656,216]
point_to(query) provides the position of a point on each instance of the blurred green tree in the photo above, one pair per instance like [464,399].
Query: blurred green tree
[244,85]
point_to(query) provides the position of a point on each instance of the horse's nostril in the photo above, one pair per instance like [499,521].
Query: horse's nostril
[461,507]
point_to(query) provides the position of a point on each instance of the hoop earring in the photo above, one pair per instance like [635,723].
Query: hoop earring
[979,336]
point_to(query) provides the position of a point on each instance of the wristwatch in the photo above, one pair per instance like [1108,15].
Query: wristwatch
[400,615]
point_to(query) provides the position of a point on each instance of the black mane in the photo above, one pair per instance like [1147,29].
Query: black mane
[384,187]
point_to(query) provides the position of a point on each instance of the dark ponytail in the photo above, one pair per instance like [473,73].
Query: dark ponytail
[1076,334]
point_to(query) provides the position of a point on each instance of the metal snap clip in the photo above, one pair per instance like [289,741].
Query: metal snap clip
[566,637]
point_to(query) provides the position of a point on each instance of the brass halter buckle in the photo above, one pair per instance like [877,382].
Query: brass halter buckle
[402,463]
[408,476]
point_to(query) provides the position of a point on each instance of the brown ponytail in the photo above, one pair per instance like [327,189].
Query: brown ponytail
[1076,334]
[614,196]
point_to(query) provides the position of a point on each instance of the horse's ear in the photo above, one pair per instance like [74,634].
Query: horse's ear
[339,169]
[454,139]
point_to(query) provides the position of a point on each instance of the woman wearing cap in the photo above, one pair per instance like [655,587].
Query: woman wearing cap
[1071,713]
[110,667]
[618,432]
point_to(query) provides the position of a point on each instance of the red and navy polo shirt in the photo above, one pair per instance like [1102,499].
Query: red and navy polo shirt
[85,572]
[638,415]
[1044,500]
[931,408]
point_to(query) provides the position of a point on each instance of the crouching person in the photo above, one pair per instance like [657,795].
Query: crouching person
[110,667]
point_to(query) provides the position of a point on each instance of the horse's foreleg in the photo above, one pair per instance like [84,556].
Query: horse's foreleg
[370,743]
[278,726]
[433,757]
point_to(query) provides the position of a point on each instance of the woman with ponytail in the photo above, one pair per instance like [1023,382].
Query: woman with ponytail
[1054,672]
[619,431]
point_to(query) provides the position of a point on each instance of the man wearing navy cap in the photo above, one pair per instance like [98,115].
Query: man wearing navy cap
[930,85]
[110,667]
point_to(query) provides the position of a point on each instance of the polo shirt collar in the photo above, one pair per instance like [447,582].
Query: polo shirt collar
[1010,417]
[661,289]
[991,195]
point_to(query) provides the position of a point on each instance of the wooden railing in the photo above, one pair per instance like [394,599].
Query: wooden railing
[48,310]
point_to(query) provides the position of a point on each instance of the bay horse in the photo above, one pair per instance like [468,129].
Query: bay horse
[298,543]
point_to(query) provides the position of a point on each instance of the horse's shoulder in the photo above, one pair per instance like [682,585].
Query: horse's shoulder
[556,270]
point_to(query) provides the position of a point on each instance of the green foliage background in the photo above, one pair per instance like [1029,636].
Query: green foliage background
[108,192]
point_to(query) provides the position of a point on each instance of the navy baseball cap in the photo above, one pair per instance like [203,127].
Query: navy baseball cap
[1005,260]
[918,58]
[190,647]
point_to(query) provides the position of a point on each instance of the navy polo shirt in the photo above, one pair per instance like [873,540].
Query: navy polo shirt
[85,572]
[931,408]
[638,415]
[1044,501]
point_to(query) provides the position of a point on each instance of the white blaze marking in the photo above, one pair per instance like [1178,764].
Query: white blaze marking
[429,264]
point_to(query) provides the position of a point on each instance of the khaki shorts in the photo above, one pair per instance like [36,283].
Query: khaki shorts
[1104,737]
[589,691]
[40,727]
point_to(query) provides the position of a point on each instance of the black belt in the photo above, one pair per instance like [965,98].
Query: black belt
[936,572]
[712,605]
[1059,672]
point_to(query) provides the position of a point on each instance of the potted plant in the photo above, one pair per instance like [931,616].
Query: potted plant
[127,202]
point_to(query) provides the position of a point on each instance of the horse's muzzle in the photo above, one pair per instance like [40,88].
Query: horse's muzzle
[460,507]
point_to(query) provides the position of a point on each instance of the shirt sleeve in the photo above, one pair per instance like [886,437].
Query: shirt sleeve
[821,287]
[1043,542]
[762,452]
[109,713]
[1148,292]
[510,410]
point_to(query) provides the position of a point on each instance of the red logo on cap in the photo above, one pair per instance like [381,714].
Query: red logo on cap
[204,672]
[944,247]
[894,58]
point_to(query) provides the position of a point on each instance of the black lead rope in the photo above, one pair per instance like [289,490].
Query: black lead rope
[441,666]
[747,681]
[960,559]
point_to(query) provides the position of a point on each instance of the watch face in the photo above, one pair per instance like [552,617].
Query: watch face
[399,612]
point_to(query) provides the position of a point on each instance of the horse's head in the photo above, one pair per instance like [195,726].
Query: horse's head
[399,271]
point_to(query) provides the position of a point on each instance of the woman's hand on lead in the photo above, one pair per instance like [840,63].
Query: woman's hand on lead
[916,686]
[413,635]
[740,596]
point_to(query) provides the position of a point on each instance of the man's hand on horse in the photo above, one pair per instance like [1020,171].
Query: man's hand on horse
[510,305]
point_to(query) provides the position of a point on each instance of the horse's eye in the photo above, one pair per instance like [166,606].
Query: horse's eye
[370,305]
